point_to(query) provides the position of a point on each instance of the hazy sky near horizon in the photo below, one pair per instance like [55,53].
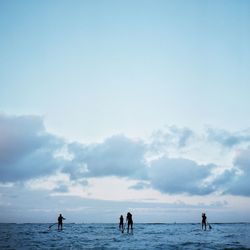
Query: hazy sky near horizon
[149,97]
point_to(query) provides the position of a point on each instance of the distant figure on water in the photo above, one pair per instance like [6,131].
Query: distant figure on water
[60,222]
[121,223]
[204,221]
[129,221]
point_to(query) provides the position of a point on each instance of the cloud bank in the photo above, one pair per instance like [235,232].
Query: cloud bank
[27,151]
[116,156]
[236,180]
[180,176]
[228,139]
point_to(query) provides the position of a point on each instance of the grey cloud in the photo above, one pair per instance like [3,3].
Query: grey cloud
[228,139]
[26,150]
[61,189]
[239,182]
[180,176]
[18,136]
[235,181]
[224,178]
[140,185]
[183,135]
[117,155]
[172,136]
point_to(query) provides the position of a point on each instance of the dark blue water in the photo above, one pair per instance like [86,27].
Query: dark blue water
[107,236]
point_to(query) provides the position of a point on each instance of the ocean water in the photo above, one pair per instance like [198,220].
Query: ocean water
[107,236]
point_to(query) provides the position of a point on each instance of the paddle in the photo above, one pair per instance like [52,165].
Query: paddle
[209,226]
[123,228]
[52,225]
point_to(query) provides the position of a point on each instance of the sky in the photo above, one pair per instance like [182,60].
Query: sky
[115,106]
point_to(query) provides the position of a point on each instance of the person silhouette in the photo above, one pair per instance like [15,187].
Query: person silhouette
[129,221]
[204,221]
[121,223]
[60,221]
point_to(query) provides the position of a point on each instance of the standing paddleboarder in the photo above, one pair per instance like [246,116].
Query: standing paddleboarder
[60,222]
[129,221]
[204,221]
[121,225]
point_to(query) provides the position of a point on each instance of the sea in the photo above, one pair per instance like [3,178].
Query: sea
[108,236]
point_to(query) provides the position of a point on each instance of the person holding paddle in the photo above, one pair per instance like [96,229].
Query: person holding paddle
[204,221]
[129,221]
[121,225]
[60,222]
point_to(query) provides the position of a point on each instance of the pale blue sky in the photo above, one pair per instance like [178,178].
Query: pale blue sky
[154,94]
[129,66]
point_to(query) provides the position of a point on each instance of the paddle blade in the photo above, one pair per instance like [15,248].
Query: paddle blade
[52,225]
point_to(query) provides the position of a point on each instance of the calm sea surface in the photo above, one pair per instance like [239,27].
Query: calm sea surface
[107,236]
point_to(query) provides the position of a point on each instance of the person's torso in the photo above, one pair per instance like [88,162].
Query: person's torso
[129,217]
